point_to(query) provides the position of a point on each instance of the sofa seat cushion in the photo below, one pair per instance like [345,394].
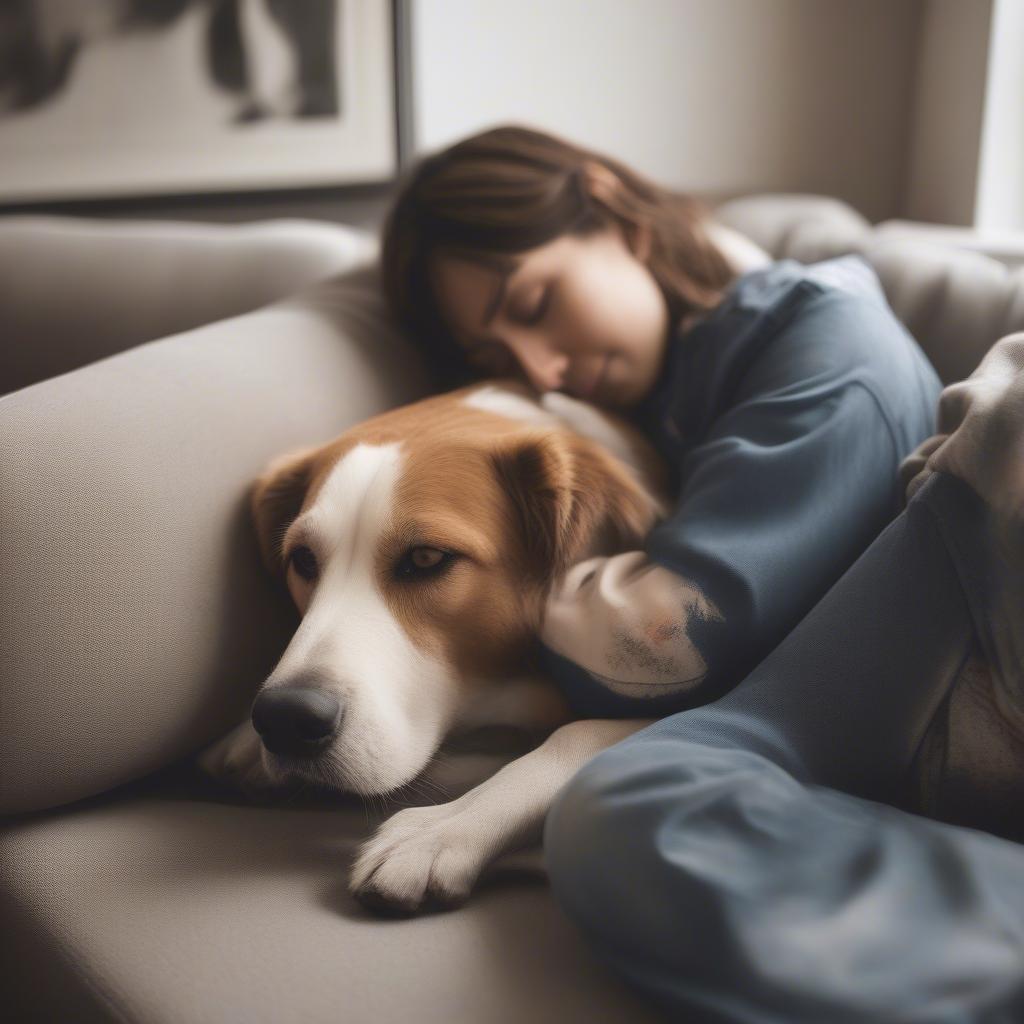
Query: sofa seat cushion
[168,902]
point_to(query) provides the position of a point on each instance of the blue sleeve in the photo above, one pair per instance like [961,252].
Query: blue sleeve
[784,492]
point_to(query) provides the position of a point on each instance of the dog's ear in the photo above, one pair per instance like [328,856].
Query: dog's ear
[275,500]
[573,499]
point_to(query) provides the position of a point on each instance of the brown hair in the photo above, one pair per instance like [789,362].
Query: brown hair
[511,189]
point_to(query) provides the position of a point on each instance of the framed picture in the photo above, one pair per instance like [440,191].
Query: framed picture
[116,98]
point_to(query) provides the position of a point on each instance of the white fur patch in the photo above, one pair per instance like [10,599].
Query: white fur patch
[555,408]
[491,398]
[589,421]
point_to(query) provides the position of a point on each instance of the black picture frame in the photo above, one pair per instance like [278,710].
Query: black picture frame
[313,185]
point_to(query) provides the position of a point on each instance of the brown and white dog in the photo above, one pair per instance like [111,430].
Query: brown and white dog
[419,547]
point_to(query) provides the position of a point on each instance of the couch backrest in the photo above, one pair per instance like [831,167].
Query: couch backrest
[73,290]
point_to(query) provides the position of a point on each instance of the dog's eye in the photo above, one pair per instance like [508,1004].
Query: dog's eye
[303,561]
[426,558]
[423,561]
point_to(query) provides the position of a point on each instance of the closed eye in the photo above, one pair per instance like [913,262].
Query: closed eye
[542,307]
[494,358]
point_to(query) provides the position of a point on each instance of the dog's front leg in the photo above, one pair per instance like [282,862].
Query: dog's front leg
[434,855]
[236,760]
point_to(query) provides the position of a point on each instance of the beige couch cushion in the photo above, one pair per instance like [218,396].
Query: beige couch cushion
[956,303]
[169,908]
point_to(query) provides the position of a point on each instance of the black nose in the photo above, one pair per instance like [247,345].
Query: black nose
[295,720]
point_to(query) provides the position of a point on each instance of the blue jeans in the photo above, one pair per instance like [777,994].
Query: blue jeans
[742,861]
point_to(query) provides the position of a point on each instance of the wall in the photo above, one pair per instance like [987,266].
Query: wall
[711,96]
[947,108]
[727,96]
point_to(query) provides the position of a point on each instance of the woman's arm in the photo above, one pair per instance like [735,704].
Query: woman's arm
[775,509]
[781,495]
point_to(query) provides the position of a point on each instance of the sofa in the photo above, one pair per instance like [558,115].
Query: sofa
[149,371]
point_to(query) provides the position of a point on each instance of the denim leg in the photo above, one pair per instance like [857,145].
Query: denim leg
[711,860]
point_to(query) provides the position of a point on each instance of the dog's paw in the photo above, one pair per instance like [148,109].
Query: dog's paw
[421,858]
[236,760]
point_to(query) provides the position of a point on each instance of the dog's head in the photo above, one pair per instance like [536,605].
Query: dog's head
[419,547]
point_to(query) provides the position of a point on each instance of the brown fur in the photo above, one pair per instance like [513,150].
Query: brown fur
[520,502]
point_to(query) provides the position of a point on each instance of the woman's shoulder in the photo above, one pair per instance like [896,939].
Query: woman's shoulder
[828,314]
[787,309]
[767,287]
[843,335]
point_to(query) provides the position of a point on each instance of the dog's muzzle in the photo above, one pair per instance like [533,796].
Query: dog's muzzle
[296,721]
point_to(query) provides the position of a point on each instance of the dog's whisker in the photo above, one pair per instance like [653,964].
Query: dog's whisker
[366,812]
[433,790]
[418,791]
[404,791]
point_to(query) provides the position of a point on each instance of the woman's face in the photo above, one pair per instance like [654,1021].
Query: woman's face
[580,314]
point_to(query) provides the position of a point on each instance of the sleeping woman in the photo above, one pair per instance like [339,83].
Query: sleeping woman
[810,649]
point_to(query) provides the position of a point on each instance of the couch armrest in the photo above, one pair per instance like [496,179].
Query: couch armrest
[1005,246]
[135,618]
[73,290]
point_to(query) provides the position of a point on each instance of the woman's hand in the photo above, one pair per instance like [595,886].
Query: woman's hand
[626,620]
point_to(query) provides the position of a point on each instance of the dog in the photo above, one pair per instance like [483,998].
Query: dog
[418,548]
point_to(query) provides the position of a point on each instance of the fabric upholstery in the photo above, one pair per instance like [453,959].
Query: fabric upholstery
[956,301]
[73,290]
[1005,246]
[137,618]
[167,907]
